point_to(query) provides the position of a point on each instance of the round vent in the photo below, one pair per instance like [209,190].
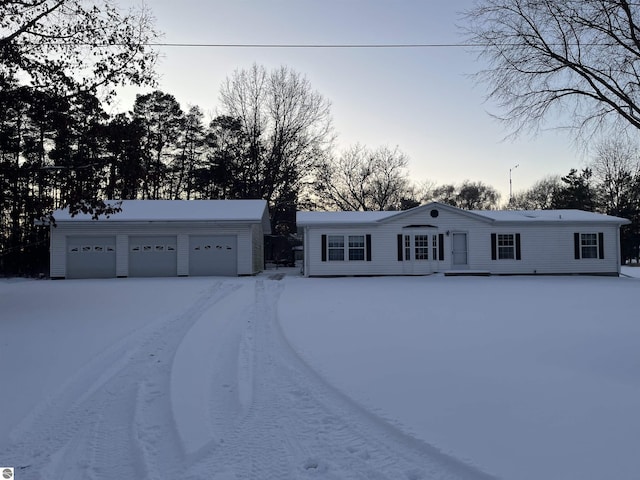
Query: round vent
[434,213]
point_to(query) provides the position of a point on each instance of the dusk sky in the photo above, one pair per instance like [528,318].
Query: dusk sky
[419,99]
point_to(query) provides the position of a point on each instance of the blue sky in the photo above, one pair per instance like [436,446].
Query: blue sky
[422,100]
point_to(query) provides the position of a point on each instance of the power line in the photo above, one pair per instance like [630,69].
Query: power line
[317,45]
[270,45]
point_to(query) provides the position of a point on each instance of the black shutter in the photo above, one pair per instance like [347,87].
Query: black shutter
[368,248]
[576,246]
[399,247]
[493,247]
[441,246]
[518,251]
[600,245]
[324,248]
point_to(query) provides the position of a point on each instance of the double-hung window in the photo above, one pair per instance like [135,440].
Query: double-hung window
[589,245]
[336,247]
[340,248]
[421,243]
[356,247]
[506,246]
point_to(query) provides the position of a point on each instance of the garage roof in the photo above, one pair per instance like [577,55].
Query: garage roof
[251,211]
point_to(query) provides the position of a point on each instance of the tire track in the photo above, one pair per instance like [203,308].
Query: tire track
[298,426]
[111,419]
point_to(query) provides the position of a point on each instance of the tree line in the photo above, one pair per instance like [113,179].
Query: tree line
[62,61]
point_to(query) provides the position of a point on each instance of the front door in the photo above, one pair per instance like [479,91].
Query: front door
[460,250]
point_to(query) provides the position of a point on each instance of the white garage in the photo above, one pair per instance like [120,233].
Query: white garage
[213,255]
[162,238]
[91,256]
[153,256]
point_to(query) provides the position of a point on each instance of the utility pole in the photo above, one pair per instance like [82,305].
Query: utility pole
[511,183]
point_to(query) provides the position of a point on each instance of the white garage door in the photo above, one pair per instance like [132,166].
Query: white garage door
[153,256]
[91,257]
[213,255]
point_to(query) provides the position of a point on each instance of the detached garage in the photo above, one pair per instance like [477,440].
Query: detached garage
[162,238]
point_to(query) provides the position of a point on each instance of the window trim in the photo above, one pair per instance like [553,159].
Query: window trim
[516,247]
[580,245]
[506,246]
[352,248]
[346,248]
[421,250]
[336,248]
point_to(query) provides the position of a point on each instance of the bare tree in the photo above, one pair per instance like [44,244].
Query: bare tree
[579,59]
[364,179]
[68,46]
[616,171]
[288,129]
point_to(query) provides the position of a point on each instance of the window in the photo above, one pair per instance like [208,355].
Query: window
[506,246]
[336,247]
[407,247]
[356,247]
[422,247]
[589,245]
[434,244]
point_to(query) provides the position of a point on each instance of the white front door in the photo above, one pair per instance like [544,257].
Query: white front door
[459,253]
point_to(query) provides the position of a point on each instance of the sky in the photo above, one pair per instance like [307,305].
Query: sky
[422,100]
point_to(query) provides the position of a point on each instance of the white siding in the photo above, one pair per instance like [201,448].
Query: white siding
[244,233]
[122,255]
[546,248]
[258,248]
[182,241]
[58,253]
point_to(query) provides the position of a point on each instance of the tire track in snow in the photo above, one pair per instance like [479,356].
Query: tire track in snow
[298,426]
[265,414]
[113,419]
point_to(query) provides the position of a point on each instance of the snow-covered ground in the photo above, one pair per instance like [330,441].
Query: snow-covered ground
[268,377]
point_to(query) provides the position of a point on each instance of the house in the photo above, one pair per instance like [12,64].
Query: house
[162,238]
[440,238]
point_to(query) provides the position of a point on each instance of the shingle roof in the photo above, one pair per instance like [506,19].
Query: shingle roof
[178,210]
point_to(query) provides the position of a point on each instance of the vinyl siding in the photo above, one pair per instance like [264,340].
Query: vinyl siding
[257,248]
[122,230]
[546,248]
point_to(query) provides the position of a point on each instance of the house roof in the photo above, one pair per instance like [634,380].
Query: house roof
[492,216]
[251,211]
[323,218]
[559,216]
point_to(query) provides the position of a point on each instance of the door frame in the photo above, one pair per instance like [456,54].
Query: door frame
[455,265]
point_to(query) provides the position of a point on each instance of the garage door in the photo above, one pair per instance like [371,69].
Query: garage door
[153,256]
[213,255]
[91,257]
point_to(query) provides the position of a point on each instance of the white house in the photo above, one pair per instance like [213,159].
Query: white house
[162,238]
[441,238]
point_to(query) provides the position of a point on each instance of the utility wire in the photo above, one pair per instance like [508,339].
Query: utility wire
[269,45]
[318,45]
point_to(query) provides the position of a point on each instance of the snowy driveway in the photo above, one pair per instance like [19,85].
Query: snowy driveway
[211,378]
[211,392]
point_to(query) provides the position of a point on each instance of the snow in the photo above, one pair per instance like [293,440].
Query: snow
[549,216]
[400,378]
[178,210]
[528,216]
[315,218]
